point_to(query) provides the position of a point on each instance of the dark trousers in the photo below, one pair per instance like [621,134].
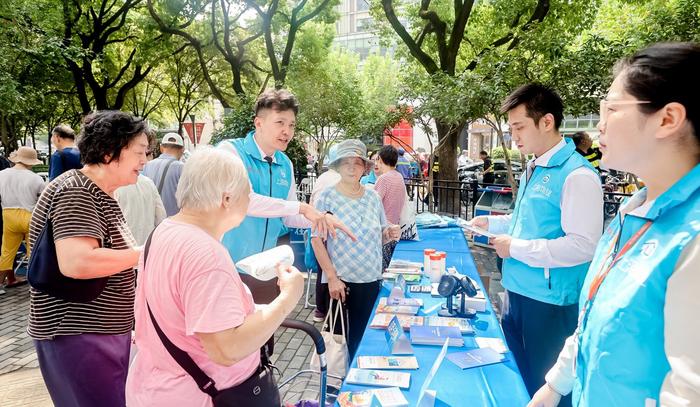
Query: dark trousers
[359,303]
[85,370]
[322,294]
[535,332]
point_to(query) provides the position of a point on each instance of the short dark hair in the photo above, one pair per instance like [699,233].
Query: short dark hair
[663,73]
[538,100]
[578,137]
[64,131]
[389,155]
[277,99]
[108,132]
[483,152]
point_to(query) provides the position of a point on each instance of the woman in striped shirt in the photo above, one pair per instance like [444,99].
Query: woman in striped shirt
[83,348]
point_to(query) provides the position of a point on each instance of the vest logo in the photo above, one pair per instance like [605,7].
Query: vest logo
[543,190]
[545,179]
[649,247]
[282,182]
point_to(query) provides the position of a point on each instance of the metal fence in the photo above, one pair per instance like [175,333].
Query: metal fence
[453,198]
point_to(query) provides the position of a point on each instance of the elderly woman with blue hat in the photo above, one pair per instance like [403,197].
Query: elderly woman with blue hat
[353,270]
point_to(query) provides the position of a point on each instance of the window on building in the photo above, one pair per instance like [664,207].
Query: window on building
[364,24]
[361,5]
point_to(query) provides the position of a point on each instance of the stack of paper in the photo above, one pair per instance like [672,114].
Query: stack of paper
[461,323]
[387,362]
[410,278]
[389,397]
[411,302]
[436,335]
[475,358]
[381,378]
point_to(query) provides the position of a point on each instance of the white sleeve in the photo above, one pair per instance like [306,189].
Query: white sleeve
[561,376]
[681,387]
[499,224]
[581,221]
[262,206]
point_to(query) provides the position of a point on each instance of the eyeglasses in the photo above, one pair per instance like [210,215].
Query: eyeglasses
[605,103]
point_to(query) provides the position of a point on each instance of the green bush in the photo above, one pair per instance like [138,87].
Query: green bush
[497,153]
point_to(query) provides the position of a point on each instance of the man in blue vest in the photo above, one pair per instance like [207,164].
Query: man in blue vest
[273,200]
[548,241]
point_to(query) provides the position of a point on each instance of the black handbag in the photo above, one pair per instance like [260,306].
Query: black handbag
[44,274]
[260,389]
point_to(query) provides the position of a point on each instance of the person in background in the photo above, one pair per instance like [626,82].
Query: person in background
[391,190]
[141,205]
[353,269]
[403,166]
[548,241]
[20,188]
[636,343]
[325,180]
[464,159]
[274,204]
[371,177]
[489,177]
[165,170]
[66,157]
[83,348]
[197,298]
[584,146]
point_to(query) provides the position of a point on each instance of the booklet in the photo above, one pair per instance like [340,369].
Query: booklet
[475,358]
[389,397]
[404,270]
[411,302]
[397,309]
[436,335]
[381,378]
[410,278]
[387,362]
[381,321]
[461,323]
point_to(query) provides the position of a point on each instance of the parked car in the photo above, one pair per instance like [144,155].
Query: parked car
[474,172]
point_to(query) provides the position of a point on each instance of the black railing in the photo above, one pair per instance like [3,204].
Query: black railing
[453,198]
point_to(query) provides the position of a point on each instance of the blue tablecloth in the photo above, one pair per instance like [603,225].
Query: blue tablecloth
[493,385]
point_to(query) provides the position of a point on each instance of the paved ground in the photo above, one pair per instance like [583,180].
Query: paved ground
[21,383]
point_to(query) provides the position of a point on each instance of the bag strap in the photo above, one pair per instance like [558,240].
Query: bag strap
[162,177]
[330,322]
[204,382]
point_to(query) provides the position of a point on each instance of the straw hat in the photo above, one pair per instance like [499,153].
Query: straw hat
[349,149]
[26,156]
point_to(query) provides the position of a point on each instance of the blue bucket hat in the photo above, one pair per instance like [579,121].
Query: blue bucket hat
[349,149]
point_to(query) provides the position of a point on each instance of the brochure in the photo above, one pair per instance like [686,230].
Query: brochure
[410,278]
[387,362]
[461,323]
[404,270]
[475,358]
[436,335]
[389,397]
[381,378]
[396,339]
[478,231]
[496,344]
[381,321]
[411,302]
[397,309]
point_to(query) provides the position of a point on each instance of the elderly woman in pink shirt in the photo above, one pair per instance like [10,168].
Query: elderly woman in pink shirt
[190,284]
[392,192]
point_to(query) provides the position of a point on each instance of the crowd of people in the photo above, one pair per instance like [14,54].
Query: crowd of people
[592,317]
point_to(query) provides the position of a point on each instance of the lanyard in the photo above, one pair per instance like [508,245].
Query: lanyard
[598,281]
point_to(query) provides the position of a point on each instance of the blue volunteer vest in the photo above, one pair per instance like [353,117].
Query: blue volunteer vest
[537,215]
[258,234]
[621,359]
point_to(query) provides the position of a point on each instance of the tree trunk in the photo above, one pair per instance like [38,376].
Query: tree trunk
[447,159]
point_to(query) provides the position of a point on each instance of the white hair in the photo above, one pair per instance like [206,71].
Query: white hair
[208,174]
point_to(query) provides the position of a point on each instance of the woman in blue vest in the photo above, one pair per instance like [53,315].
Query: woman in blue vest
[636,343]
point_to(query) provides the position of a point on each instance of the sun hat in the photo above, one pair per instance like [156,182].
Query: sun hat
[25,155]
[349,149]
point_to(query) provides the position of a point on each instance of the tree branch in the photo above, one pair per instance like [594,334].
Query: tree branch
[415,50]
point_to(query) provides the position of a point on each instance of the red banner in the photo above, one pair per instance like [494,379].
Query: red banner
[188,129]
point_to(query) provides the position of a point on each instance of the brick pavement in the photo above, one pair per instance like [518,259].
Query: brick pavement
[21,383]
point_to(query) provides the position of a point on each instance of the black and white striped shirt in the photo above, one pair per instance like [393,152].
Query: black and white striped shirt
[81,209]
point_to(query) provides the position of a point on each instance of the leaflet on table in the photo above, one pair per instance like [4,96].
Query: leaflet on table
[402,270]
[381,321]
[410,278]
[381,378]
[436,335]
[387,362]
[411,302]
[475,358]
[389,397]
[493,343]
[460,323]
[404,264]
[396,309]
[396,340]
